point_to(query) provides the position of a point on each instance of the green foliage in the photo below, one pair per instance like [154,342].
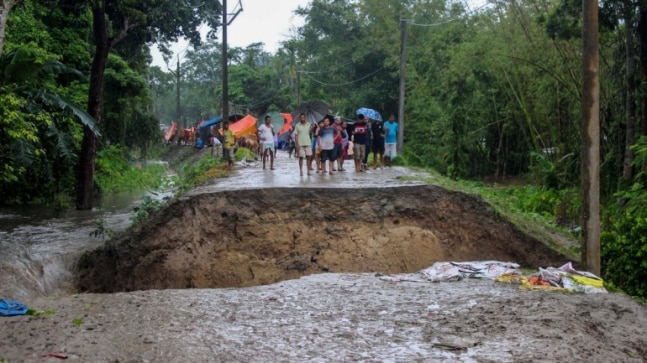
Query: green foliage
[624,253]
[552,175]
[31,312]
[117,172]
[195,173]
[77,321]
[143,211]
[101,231]
[624,240]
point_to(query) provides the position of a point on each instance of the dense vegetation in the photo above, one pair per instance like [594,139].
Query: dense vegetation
[492,92]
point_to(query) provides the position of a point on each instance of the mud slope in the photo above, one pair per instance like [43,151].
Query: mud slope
[261,236]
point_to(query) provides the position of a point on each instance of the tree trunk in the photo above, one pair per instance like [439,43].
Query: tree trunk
[85,177]
[642,31]
[5,8]
[631,90]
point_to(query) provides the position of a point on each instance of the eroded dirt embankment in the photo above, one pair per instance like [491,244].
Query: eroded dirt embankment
[261,236]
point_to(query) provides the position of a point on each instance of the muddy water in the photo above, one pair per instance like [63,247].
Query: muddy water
[38,251]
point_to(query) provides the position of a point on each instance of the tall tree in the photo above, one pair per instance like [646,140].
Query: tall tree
[5,8]
[628,11]
[143,21]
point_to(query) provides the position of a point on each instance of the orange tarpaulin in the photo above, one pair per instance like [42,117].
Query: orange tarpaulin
[171,131]
[244,126]
[286,126]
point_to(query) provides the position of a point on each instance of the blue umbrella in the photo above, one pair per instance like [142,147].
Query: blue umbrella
[370,113]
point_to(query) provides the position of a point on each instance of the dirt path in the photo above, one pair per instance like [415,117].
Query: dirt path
[283,226]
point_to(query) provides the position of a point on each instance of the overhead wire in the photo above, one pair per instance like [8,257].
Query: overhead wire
[345,83]
[409,22]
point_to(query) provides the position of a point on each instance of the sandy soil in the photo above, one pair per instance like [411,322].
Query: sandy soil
[328,235]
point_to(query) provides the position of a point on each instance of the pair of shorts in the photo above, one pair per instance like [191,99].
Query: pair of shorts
[338,151]
[268,146]
[378,147]
[305,151]
[359,151]
[328,155]
[390,150]
[228,154]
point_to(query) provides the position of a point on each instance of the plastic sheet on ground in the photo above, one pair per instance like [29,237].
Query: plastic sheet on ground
[455,271]
[564,278]
[11,308]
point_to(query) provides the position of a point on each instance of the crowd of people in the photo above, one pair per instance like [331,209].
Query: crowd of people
[324,147]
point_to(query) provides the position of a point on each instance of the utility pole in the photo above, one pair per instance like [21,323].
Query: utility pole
[298,87]
[403,59]
[178,104]
[225,73]
[591,136]
[225,86]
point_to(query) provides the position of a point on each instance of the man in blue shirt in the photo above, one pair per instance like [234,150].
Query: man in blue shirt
[391,140]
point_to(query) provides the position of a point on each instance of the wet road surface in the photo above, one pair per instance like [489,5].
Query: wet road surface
[286,174]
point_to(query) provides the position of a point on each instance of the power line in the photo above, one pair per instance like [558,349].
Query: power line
[450,20]
[329,69]
[345,83]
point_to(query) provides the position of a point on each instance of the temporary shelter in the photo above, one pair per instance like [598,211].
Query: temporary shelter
[286,126]
[244,126]
[205,127]
[171,131]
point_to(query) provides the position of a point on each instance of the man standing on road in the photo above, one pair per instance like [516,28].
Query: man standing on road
[228,143]
[390,140]
[303,142]
[360,137]
[377,131]
[266,138]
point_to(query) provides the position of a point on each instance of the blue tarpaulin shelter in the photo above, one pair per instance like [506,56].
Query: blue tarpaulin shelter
[205,128]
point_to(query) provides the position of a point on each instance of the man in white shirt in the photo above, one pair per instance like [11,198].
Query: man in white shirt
[266,139]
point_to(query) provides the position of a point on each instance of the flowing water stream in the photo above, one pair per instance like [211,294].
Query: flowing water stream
[38,251]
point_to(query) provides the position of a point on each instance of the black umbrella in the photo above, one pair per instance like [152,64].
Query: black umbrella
[315,111]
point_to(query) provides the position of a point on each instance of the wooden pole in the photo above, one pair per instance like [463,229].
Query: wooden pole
[403,58]
[225,74]
[591,136]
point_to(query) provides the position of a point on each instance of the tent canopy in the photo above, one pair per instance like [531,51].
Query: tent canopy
[288,125]
[244,126]
[210,122]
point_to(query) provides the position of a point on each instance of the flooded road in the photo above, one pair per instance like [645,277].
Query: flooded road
[251,175]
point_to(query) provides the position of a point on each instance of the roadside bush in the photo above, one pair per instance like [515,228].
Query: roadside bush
[116,173]
[624,253]
[624,240]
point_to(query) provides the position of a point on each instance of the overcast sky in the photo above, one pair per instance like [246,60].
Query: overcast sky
[266,21]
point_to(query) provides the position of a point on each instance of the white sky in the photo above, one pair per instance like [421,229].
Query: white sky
[266,21]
